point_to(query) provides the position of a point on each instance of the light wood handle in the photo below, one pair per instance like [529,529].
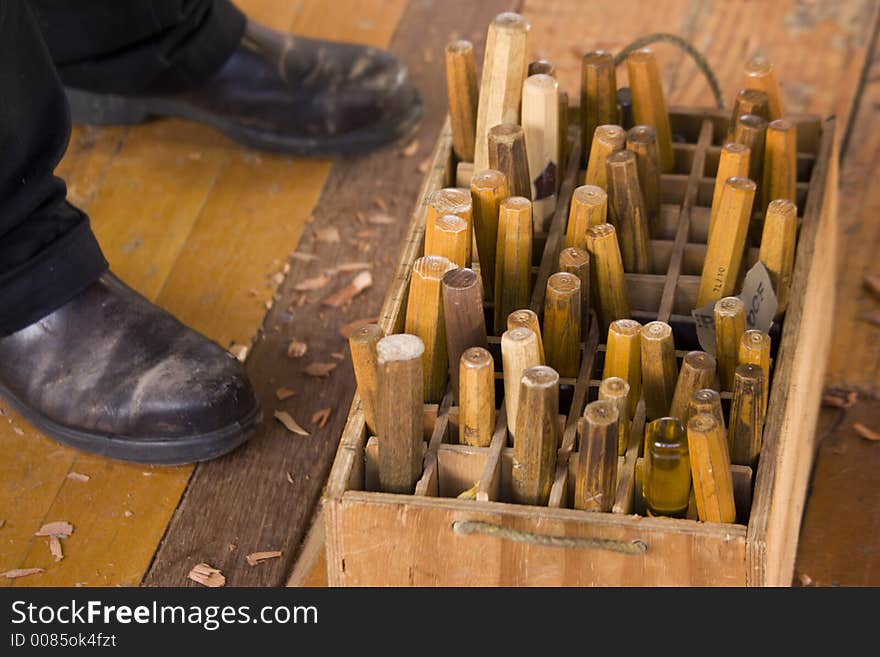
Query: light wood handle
[562,324]
[607,139]
[751,130]
[598,95]
[401,414]
[528,319]
[476,418]
[697,372]
[649,103]
[780,163]
[745,432]
[362,344]
[513,257]
[540,123]
[642,140]
[754,349]
[576,261]
[451,239]
[424,318]
[519,352]
[606,269]
[507,153]
[733,161]
[730,324]
[449,200]
[623,357]
[504,69]
[659,369]
[488,189]
[724,253]
[666,486]
[542,67]
[589,207]
[710,469]
[461,89]
[708,401]
[463,313]
[616,390]
[627,212]
[537,436]
[759,74]
[596,481]
[778,247]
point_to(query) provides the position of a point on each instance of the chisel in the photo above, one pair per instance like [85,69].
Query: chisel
[537,436]
[562,324]
[598,95]
[623,358]
[577,261]
[528,319]
[759,74]
[730,324]
[461,90]
[519,352]
[649,104]
[463,314]
[733,161]
[400,412]
[596,481]
[451,238]
[449,200]
[754,349]
[513,257]
[589,207]
[751,130]
[504,69]
[607,139]
[362,344]
[476,417]
[708,401]
[488,189]
[777,248]
[659,369]
[780,163]
[748,101]
[710,469]
[606,269]
[507,154]
[642,140]
[697,372]
[745,431]
[616,390]
[540,123]
[627,212]
[424,319]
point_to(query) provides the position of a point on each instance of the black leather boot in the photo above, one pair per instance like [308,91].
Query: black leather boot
[111,373]
[281,92]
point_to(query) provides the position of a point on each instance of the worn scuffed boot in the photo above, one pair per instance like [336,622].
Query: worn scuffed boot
[285,93]
[113,374]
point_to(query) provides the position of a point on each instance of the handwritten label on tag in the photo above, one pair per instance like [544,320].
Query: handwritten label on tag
[760,301]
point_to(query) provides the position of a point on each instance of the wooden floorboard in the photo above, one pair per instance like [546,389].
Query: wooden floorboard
[201,225]
[247,499]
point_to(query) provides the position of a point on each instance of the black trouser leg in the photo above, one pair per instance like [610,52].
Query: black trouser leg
[138,46]
[48,253]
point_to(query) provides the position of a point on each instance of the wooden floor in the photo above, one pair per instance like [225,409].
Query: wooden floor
[203,227]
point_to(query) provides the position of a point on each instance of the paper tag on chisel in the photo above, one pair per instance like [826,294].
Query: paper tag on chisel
[760,301]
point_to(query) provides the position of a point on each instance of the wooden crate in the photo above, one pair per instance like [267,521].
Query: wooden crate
[432,538]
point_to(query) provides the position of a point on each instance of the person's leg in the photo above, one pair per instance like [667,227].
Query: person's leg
[82,356]
[138,46]
[124,61]
[48,253]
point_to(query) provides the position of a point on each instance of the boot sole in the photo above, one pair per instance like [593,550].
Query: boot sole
[147,450]
[108,109]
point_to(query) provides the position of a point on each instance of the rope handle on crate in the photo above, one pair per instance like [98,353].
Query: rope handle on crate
[468,527]
[685,45]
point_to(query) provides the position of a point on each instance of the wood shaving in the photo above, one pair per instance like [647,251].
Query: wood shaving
[424,166]
[240,351]
[78,476]
[305,257]
[277,278]
[259,557]
[380,203]
[840,398]
[360,283]
[381,219]
[865,432]
[328,235]
[319,369]
[410,149]
[337,355]
[20,572]
[289,423]
[310,284]
[283,393]
[805,580]
[60,528]
[19,431]
[127,514]
[366,235]
[207,575]
[352,266]
[350,328]
[297,349]
[873,283]
[55,548]
[289,477]
[322,417]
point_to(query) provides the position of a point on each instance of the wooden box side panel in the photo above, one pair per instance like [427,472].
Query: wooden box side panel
[790,434]
[388,543]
